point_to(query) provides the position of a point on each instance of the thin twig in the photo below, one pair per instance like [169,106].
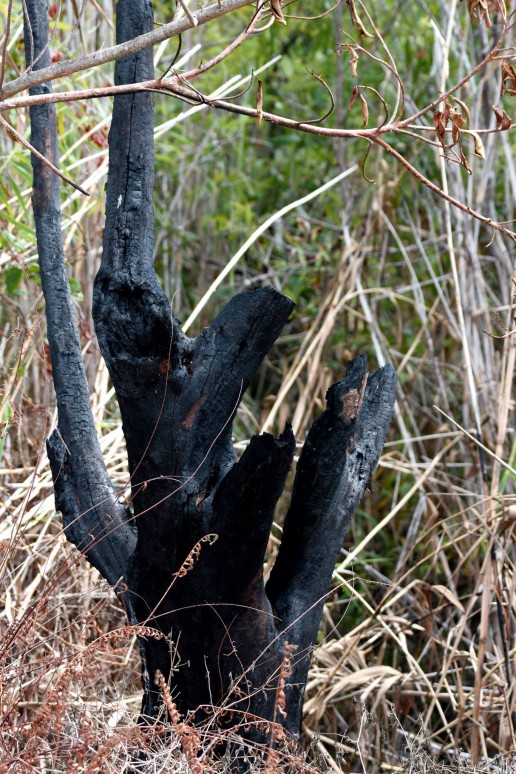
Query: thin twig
[12,131]
[6,40]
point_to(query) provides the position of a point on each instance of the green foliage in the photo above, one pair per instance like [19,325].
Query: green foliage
[12,278]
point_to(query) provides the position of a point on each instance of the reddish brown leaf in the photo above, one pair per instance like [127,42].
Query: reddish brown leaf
[457,124]
[352,99]
[508,78]
[439,120]
[465,108]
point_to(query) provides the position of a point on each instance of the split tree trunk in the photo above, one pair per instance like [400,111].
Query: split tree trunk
[190,551]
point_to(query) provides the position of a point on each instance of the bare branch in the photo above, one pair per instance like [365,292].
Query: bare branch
[439,191]
[319,15]
[87,61]
[332,100]
[485,61]
[181,87]
[17,136]
[6,40]
[249,30]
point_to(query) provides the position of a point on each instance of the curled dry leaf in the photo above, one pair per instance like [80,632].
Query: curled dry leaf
[479,145]
[458,122]
[503,121]
[452,114]
[365,110]
[353,61]
[508,79]
[479,9]
[440,121]
[354,94]
[447,594]
[464,108]
[259,102]
[277,11]
[355,18]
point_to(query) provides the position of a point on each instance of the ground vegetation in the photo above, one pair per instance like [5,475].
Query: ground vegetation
[415,665]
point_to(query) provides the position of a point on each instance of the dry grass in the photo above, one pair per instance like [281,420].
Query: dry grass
[415,669]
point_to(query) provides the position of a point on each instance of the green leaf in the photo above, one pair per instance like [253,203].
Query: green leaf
[75,287]
[13,277]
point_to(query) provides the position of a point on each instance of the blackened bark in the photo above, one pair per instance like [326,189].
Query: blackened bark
[338,459]
[203,518]
[93,519]
[177,398]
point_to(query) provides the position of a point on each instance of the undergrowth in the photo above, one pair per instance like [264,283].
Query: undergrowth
[414,669]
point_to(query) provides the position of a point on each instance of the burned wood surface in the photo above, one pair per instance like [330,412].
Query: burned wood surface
[93,519]
[190,549]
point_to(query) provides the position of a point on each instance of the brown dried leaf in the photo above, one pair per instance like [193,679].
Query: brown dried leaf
[259,102]
[439,120]
[355,18]
[464,108]
[277,11]
[479,145]
[479,9]
[457,124]
[352,99]
[353,61]
[503,121]
[508,78]
[365,110]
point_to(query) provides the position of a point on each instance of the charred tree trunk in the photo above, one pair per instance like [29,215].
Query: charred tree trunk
[194,569]
[83,491]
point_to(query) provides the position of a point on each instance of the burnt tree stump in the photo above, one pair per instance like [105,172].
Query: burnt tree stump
[187,556]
